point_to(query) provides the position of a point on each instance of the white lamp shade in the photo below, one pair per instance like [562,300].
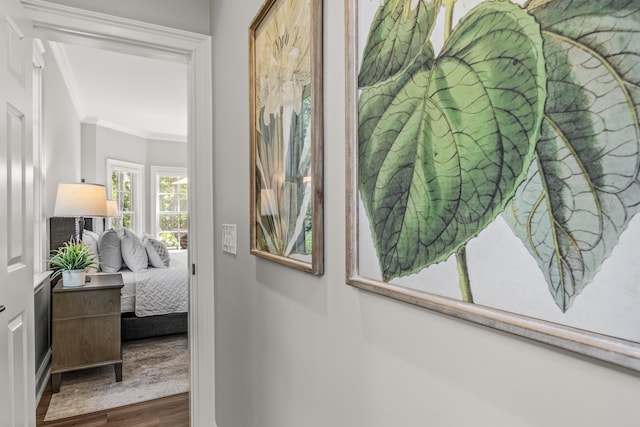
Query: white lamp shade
[112,208]
[76,200]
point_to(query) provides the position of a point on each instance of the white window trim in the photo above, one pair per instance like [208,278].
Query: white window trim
[137,176]
[157,171]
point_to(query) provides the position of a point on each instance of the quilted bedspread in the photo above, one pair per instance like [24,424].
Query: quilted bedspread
[163,290]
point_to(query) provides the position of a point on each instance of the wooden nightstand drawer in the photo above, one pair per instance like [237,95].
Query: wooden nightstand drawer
[81,345]
[95,302]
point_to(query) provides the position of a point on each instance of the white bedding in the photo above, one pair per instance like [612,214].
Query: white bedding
[157,291]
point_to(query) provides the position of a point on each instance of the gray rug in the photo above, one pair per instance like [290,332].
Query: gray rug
[151,368]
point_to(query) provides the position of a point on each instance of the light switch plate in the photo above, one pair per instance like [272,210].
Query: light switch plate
[229,238]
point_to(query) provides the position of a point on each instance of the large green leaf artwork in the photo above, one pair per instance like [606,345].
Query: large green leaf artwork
[527,111]
[445,142]
[583,189]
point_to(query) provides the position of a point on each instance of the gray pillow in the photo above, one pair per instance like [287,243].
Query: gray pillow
[110,252]
[157,252]
[134,253]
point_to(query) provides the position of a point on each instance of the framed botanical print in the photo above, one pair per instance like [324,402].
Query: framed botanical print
[494,165]
[286,132]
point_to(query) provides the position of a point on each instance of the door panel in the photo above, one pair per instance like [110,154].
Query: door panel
[18,370]
[17,346]
[15,45]
[16,146]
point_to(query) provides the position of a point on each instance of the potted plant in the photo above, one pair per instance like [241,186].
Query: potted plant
[71,260]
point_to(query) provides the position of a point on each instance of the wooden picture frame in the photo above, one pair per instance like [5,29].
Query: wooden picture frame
[513,288]
[286,134]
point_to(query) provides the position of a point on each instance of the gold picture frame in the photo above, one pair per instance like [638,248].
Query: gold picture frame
[286,134]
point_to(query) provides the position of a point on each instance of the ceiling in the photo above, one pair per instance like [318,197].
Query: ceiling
[138,95]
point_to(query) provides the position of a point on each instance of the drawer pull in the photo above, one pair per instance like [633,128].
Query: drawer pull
[2,307]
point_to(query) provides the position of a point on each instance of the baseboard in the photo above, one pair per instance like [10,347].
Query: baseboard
[42,376]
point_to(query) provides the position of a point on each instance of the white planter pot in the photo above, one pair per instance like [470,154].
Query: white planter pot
[73,278]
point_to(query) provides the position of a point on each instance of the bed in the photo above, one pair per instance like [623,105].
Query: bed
[154,300]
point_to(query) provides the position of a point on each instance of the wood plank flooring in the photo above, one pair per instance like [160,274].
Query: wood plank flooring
[170,411]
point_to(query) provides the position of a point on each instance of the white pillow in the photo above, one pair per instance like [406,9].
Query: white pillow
[157,252]
[110,252]
[90,240]
[134,253]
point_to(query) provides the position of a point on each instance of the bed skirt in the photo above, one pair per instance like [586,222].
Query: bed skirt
[134,327]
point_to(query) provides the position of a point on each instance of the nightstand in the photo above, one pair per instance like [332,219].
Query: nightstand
[86,327]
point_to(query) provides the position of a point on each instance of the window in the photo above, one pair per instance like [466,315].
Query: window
[171,208]
[125,187]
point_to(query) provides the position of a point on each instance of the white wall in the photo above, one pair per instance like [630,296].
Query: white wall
[294,350]
[189,15]
[100,143]
[113,144]
[88,170]
[166,153]
[61,134]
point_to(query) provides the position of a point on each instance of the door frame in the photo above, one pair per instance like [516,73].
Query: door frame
[66,24]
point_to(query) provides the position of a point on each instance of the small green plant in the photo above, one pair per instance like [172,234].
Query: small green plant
[71,256]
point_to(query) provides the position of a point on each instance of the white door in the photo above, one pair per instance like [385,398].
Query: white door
[17,364]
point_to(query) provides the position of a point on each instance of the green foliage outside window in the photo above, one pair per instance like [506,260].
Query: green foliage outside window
[122,192]
[172,209]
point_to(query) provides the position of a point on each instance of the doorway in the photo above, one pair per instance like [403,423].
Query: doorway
[55,23]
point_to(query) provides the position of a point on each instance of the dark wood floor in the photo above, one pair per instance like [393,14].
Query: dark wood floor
[171,411]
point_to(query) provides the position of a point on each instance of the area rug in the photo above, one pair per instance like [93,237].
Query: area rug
[151,368]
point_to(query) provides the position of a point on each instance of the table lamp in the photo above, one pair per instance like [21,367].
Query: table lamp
[112,211]
[80,200]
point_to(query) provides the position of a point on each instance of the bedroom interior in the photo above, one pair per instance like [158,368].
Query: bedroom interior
[61,134]
[141,159]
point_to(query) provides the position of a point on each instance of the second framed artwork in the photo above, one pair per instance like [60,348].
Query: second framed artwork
[494,165]
[286,134]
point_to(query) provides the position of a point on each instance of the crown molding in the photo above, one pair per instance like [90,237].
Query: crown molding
[60,55]
[90,120]
[166,137]
[114,126]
